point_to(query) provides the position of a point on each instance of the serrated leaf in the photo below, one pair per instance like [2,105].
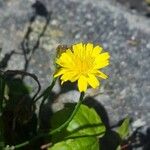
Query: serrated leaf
[86,123]
[123,130]
[82,143]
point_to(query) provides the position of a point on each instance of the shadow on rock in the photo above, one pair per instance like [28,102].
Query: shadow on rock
[4,62]
[27,46]
[20,120]
[111,139]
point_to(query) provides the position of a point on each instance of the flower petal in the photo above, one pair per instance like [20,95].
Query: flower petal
[82,83]
[101,65]
[65,60]
[89,49]
[102,60]
[92,80]
[77,48]
[70,76]
[96,51]
[103,56]
[69,52]
[59,72]
[101,75]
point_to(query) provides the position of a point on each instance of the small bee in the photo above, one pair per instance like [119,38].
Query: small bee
[62,48]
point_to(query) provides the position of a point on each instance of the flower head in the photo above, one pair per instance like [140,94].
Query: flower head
[82,63]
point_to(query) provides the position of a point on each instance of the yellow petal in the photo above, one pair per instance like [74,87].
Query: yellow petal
[77,48]
[101,75]
[101,61]
[82,83]
[65,76]
[89,49]
[70,76]
[93,82]
[81,48]
[103,56]
[69,52]
[79,45]
[101,65]
[65,60]
[89,46]
[96,51]
[74,77]
[59,72]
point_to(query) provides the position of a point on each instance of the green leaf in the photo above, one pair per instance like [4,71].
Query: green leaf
[17,87]
[82,143]
[86,122]
[123,130]
[85,126]
[119,147]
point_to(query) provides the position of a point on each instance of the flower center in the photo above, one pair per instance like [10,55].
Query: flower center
[84,66]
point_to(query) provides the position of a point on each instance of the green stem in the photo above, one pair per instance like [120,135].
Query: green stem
[71,117]
[57,129]
[22,144]
[45,95]
[47,91]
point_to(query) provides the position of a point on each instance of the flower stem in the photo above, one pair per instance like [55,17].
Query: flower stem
[70,118]
[47,91]
[22,145]
[57,129]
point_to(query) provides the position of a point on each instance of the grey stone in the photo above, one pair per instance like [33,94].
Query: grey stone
[126,35]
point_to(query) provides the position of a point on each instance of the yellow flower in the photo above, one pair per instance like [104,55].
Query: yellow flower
[82,63]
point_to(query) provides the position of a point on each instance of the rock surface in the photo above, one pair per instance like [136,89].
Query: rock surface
[124,33]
